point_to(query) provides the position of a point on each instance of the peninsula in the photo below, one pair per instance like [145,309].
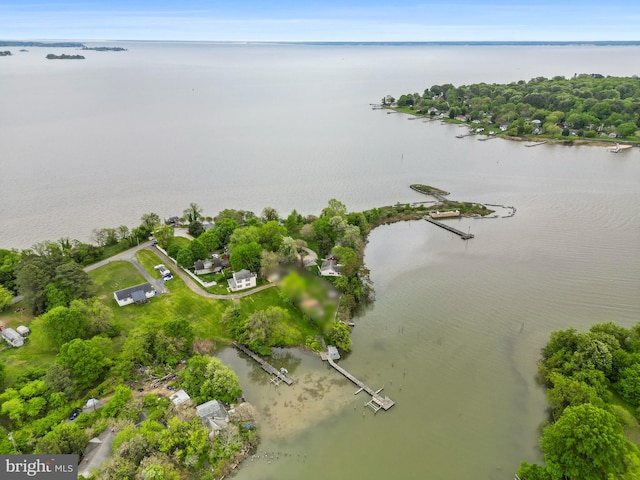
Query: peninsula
[127,328]
[585,107]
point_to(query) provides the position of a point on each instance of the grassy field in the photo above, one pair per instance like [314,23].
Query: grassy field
[37,351]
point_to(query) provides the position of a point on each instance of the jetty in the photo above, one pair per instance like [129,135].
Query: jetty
[377,401]
[464,236]
[534,144]
[277,376]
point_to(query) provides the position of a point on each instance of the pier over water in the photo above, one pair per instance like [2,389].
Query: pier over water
[464,236]
[377,401]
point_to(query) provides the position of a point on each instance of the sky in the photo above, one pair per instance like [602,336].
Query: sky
[326,20]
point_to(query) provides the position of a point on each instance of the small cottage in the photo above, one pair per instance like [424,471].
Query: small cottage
[180,397]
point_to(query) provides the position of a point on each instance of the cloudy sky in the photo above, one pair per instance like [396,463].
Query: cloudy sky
[326,20]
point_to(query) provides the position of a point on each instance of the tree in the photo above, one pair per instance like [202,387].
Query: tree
[9,261]
[193,212]
[187,442]
[164,235]
[586,443]
[5,298]
[629,384]
[196,229]
[3,373]
[59,379]
[627,129]
[63,324]
[269,264]
[205,378]
[262,327]
[73,280]
[293,222]
[65,438]
[99,317]
[288,251]
[269,214]
[246,256]
[32,278]
[340,336]
[198,250]
[114,406]
[150,221]
[84,359]
[334,207]
[185,258]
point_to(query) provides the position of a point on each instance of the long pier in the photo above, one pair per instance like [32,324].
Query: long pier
[265,365]
[377,401]
[464,236]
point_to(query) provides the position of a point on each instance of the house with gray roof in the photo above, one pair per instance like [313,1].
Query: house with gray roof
[242,280]
[330,268]
[214,415]
[136,294]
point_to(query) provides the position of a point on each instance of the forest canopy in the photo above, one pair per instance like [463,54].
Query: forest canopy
[592,103]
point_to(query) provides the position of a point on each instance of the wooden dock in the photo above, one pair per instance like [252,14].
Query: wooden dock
[281,377]
[377,401]
[464,236]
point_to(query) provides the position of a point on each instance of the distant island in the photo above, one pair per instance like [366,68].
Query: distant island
[583,107]
[105,49]
[5,53]
[13,43]
[51,56]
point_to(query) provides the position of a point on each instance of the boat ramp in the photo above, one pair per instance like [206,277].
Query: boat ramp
[277,376]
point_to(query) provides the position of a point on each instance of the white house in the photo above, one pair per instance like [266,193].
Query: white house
[137,294]
[242,280]
[12,337]
[330,268]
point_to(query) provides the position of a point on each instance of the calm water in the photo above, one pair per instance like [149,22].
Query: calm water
[457,326]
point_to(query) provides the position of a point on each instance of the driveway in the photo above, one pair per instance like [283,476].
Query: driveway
[99,454]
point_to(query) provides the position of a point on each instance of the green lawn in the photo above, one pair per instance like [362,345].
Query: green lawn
[180,241]
[36,352]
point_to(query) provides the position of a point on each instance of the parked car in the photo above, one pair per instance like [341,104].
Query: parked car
[75,414]
[166,278]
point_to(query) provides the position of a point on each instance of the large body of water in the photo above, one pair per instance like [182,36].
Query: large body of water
[456,328]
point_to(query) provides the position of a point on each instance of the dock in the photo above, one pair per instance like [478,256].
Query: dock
[534,144]
[464,236]
[377,401]
[276,375]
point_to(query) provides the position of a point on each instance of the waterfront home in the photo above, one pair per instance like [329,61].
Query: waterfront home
[242,280]
[137,294]
[213,415]
[330,268]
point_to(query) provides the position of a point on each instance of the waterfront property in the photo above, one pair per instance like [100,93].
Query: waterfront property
[448,214]
[137,294]
[277,376]
[242,280]
[377,401]
[330,268]
[213,415]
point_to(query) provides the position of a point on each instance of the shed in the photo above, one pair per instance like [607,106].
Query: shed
[180,397]
[23,330]
[12,337]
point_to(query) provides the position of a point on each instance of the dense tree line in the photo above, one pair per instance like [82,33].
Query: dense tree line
[584,373]
[593,104]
